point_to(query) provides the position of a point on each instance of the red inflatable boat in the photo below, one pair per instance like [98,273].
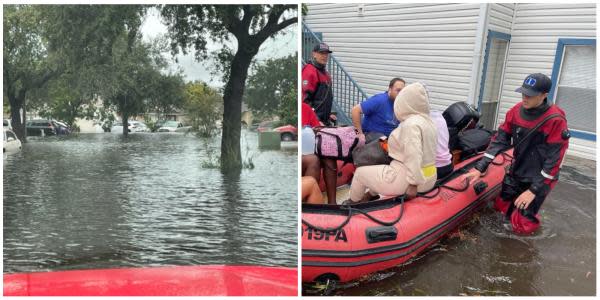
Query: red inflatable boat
[343,243]
[162,281]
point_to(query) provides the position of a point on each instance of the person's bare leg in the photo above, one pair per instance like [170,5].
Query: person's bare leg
[311,191]
[330,178]
[311,166]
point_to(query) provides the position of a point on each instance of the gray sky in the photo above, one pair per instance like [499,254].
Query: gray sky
[281,46]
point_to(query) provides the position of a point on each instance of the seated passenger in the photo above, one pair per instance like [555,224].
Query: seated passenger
[312,164]
[412,147]
[378,113]
[311,193]
[443,157]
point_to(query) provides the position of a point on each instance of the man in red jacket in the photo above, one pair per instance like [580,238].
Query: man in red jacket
[316,84]
[538,131]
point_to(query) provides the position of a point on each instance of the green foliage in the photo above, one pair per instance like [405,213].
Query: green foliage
[192,26]
[27,65]
[167,93]
[269,85]
[288,108]
[204,106]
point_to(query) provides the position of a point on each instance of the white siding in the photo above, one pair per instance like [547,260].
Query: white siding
[501,16]
[432,43]
[534,38]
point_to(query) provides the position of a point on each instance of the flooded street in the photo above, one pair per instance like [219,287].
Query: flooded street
[103,201]
[482,258]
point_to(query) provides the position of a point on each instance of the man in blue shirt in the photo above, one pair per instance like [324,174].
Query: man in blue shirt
[378,111]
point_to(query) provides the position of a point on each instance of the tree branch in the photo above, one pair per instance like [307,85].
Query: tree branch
[271,28]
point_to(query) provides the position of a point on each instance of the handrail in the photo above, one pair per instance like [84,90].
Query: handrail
[346,92]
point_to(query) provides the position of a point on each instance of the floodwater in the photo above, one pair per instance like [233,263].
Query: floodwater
[152,199]
[482,258]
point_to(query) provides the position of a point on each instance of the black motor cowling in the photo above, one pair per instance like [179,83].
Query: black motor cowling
[461,116]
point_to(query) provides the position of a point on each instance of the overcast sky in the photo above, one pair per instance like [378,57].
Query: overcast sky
[280,46]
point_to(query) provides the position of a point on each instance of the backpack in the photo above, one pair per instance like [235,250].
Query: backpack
[337,142]
[472,141]
[372,153]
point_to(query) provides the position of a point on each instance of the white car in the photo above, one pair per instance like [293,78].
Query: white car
[171,126]
[6,124]
[11,144]
[133,126]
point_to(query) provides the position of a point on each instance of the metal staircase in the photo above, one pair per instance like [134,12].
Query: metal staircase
[346,92]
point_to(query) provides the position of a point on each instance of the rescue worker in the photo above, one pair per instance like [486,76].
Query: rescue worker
[316,85]
[412,147]
[318,93]
[538,131]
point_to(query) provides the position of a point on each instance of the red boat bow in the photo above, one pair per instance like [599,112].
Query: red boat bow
[160,281]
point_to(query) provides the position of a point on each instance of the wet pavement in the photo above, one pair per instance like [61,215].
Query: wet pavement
[482,258]
[103,201]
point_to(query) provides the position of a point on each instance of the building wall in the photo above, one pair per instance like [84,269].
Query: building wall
[435,43]
[501,17]
[534,38]
[432,43]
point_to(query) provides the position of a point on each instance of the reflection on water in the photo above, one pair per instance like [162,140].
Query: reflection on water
[484,259]
[101,201]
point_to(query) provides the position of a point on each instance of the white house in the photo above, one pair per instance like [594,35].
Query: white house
[479,53]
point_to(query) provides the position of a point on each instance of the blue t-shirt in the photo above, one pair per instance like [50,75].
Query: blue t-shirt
[379,114]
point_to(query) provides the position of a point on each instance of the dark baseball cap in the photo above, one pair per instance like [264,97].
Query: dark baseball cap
[535,84]
[321,47]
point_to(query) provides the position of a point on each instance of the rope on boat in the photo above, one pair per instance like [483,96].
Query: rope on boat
[350,209]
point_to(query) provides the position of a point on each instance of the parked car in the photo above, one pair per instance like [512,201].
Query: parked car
[132,126]
[288,132]
[6,124]
[265,126]
[170,126]
[61,128]
[40,127]
[11,142]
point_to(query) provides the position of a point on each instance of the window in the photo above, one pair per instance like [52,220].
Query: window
[574,85]
[493,71]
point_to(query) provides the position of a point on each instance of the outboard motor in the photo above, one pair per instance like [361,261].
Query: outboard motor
[459,116]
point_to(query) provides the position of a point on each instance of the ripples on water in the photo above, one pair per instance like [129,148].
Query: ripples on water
[101,201]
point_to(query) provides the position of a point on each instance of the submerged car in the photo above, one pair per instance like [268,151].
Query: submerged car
[133,126]
[61,128]
[288,132]
[170,126]
[40,127]
[11,142]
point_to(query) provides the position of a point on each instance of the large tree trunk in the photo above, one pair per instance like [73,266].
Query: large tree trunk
[231,157]
[17,103]
[124,118]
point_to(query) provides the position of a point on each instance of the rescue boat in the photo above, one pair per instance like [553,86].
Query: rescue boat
[345,242]
[217,280]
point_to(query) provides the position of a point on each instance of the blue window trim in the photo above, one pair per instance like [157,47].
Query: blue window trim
[560,48]
[491,35]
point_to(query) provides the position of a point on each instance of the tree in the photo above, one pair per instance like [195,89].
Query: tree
[105,39]
[130,78]
[270,82]
[26,62]
[203,106]
[250,26]
[42,42]
[167,93]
